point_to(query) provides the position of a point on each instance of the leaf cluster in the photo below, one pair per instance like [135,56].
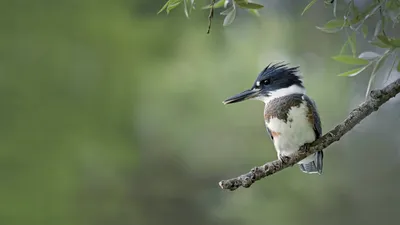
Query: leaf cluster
[352,21]
[231,7]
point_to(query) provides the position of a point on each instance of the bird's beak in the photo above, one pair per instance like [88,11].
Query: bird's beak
[248,94]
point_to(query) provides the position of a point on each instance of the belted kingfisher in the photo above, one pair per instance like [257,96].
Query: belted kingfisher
[291,117]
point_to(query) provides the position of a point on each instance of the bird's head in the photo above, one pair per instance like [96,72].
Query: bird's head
[274,81]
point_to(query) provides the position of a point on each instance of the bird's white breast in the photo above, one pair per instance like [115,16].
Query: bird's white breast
[296,131]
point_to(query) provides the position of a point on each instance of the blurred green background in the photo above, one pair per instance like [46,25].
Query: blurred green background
[111,114]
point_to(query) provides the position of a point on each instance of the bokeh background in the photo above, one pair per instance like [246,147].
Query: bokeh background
[111,114]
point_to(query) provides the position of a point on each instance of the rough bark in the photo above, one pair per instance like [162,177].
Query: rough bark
[375,100]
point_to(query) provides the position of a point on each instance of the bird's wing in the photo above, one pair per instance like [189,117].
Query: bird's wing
[313,116]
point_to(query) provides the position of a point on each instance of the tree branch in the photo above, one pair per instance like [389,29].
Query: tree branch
[210,16]
[375,100]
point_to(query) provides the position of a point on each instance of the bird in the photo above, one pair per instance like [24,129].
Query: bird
[291,117]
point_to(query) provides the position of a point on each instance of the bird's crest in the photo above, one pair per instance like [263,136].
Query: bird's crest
[277,69]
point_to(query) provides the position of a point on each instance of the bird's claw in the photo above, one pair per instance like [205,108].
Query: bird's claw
[283,158]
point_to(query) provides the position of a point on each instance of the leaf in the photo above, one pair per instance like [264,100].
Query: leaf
[185,8]
[395,42]
[398,66]
[192,5]
[348,59]
[378,28]
[329,31]
[241,1]
[369,55]
[172,5]
[164,7]
[379,44]
[309,6]
[217,5]
[343,49]
[226,3]
[353,8]
[384,39]
[391,69]
[365,30]
[227,11]
[334,8]
[250,5]
[352,42]
[336,23]
[333,26]
[230,17]
[254,12]
[353,72]
[377,66]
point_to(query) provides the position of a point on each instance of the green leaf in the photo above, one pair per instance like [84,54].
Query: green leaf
[395,42]
[353,8]
[329,31]
[334,8]
[352,42]
[348,59]
[333,26]
[254,12]
[172,5]
[185,8]
[192,6]
[398,66]
[309,6]
[230,17]
[379,44]
[217,5]
[353,72]
[365,30]
[384,39]
[335,23]
[391,69]
[378,28]
[241,1]
[164,7]
[343,49]
[250,5]
[377,66]
[227,11]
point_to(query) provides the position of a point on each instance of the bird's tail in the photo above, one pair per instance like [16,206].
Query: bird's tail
[315,166]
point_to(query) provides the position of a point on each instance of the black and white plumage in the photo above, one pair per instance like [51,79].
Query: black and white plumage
[291,117]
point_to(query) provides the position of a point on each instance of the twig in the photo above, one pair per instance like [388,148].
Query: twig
[210,17]
[382,18]
[377,98]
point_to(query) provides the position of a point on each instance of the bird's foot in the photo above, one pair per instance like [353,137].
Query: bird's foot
[283,158]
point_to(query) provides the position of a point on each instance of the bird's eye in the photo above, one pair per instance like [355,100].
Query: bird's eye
[267,81]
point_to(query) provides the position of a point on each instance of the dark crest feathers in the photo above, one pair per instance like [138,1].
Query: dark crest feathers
[278,68]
